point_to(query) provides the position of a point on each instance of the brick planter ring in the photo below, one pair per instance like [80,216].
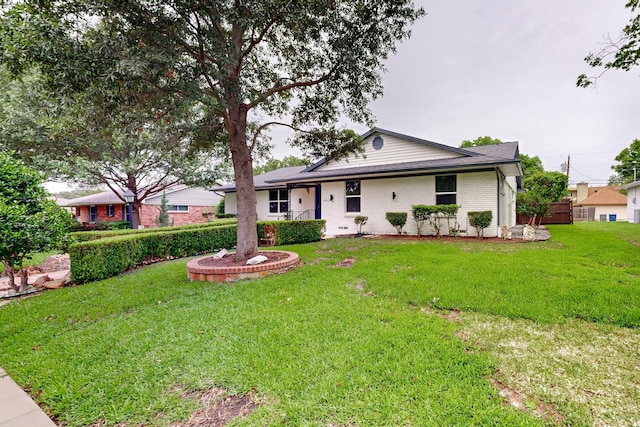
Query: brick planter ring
[210,273]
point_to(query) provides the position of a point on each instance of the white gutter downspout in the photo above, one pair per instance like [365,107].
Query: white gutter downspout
[495,168]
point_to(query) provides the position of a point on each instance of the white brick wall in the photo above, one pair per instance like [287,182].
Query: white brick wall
[475,192]
[230,204]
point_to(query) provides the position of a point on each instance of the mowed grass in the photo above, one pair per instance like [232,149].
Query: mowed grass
[326,345]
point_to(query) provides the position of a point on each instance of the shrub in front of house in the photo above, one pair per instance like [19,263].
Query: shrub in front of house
[421,215]
[294,232]
[102,258]
[360,220]
[447,212]
[397,219]
[118,225]
[480,220]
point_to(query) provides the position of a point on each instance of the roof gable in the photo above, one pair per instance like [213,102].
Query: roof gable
[384,147]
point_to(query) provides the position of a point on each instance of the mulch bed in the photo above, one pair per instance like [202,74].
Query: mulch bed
[229,260]
[446,238]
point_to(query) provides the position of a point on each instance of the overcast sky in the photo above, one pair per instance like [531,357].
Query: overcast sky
[508,69]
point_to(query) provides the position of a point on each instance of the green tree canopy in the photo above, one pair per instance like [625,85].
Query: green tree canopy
[28,221]
[90,139]
[479,141]
[541,189]
[530,165]
[312,62]
[273,164]
[621,54]
[628,167]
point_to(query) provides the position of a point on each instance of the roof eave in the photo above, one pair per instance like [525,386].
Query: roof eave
[394,172]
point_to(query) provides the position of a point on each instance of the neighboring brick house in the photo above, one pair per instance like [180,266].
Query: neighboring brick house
[187,205]
[607,201]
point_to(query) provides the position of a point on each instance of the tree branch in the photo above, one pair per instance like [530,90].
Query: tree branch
[266,125]
[282,88]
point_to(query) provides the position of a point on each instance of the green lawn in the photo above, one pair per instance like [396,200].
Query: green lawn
[368,345]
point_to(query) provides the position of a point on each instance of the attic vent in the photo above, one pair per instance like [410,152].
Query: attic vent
[378,142]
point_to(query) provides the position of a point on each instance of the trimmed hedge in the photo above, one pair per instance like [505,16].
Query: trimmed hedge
[85,236]
[293,232]
[107,257]
[99,259]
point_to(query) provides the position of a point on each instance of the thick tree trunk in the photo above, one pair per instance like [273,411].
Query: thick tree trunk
[10,271]
[246,234]
[24,278]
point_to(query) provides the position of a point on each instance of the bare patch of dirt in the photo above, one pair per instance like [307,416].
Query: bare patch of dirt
[453,315]
[318,261]
[345,263]
[217,408]
[229,260]
[522,403]
[326,251]
[360,285]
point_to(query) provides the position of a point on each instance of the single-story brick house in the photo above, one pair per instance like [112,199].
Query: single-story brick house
[633,202]
[396,172]
[186,205]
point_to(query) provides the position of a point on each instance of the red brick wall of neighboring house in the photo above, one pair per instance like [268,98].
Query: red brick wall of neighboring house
[148,214]
[102,213]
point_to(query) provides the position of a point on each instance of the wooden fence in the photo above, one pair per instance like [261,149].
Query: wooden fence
[561,213]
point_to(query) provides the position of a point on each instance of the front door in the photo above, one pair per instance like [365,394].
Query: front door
[318,202]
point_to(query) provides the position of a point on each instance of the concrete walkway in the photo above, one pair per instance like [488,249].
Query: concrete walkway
[17,409]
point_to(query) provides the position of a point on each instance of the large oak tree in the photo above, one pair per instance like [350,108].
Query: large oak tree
[251,65]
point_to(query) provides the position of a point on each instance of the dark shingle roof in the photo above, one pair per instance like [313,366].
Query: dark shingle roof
[473,157]
[104,198]
[263,181]
[486,156]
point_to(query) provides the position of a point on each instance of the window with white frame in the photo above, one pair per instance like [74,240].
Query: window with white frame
[446,187]
[352,191]
[178,208]
[279,201]
[111,211]
[93,213]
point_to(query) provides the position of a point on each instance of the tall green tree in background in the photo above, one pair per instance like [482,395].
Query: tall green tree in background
[530,165]
[628,168]
[479,141]
[541,189]
[274,164]
[621,54]
[29,222]
[312,62]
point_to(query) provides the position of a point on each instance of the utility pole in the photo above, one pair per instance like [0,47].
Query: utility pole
[568,164]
